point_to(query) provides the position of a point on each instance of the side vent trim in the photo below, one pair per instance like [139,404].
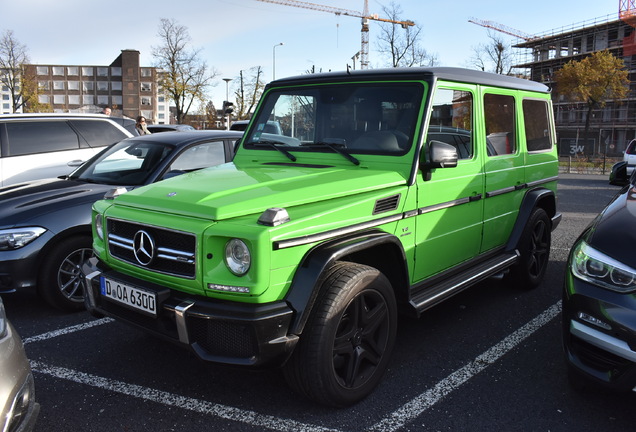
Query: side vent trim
[386,204]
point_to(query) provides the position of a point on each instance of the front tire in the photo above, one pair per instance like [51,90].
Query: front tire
[534,250]
[61,282]
[347,342]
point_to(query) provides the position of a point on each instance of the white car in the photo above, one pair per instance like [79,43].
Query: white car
[38,146]
[630,157]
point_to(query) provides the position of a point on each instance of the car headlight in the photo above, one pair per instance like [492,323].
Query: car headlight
[599,269]
[237,257]
[99,226]
[16,238]
[3,321]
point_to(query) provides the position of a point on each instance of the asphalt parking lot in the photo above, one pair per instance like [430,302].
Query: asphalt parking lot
[488,359]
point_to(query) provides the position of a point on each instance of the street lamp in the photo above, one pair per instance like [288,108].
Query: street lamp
[274,60]
[227,99]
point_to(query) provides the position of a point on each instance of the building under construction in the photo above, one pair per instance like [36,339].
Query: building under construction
[611,127]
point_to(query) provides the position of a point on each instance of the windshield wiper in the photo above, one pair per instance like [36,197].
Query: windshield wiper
[335,147]
[275,145]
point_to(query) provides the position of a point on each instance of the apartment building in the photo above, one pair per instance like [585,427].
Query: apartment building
[124,86]
[611,127]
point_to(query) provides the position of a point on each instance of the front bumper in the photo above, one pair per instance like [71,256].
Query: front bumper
[19,268]
[603,350]
[216,331]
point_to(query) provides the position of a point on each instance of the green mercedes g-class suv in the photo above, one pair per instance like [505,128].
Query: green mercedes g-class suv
[387,192]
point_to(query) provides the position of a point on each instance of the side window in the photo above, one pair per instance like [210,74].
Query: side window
[451,120]
[500,124]
[201,156]
[40,137]
[536,118]
[98,133]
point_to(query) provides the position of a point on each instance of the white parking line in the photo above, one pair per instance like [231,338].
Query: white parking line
[394,421]
[414,408]
[169,399]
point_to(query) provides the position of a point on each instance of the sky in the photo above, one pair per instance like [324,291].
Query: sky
[237,35]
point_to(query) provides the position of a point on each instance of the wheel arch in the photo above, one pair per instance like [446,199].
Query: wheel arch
[539,197]
[76,231]
[377,249]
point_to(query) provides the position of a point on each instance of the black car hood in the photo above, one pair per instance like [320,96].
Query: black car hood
[613,232]
[24,202]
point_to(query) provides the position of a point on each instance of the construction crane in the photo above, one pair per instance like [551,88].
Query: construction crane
[502,28]
[364,50]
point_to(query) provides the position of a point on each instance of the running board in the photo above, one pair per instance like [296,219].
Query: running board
[431,295]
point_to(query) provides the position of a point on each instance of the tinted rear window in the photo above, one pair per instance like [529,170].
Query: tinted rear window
[40,137]
[98,133]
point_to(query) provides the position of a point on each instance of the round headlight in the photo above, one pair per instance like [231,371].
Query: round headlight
[99,226]
[237,257]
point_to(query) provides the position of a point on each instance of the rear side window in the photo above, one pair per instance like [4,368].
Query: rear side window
[200,156]
[40,137]
[536,118]
[98,133]
[500,124]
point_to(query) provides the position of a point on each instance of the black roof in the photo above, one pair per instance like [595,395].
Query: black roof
[444,73]
[188,137]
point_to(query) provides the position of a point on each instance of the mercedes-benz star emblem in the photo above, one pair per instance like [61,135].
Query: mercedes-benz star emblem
[143,248]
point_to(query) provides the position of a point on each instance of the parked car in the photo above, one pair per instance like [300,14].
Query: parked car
[302,251]
[45,232]
[37,146]
[18,407]
[271,127]
[599,292]
[630,156]
[154,128]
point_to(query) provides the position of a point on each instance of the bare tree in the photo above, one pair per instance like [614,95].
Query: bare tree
[185,76]
[13,60]
[401,44]
[494,56]
[248,93]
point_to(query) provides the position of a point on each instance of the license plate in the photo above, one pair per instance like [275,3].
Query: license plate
[131,296]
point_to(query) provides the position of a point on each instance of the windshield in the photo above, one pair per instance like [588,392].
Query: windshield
[128,163]
[361,118]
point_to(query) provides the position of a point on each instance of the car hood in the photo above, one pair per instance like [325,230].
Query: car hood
[612,231]
[24,202]
[205,193]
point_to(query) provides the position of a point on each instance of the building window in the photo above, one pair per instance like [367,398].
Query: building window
[102,100]
[44,99]
[73,99]
[5,97]
[72,70]
[146,113]
[88,99]
[73,85]
[146,86]
[145,100]
[87,71]
[102,85]
[5,106]
[59,85]
[59,99]
[161,108]
[102,71]
[58,70]
[44,85]
[117,100]
[87,85]
[161,116]
[42,70]
[146,72]
[115,85]
[161,99]
[115,71]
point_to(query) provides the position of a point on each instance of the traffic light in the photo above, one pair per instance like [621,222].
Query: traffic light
[228,107]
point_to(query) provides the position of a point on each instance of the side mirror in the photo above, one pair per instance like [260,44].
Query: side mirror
[618,174]
[440,155]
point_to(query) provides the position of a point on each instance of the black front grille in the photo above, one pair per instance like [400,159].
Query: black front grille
[174,250]
[597,358]
[222,338]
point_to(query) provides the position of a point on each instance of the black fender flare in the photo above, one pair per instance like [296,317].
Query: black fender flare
[540,197]
[311,272]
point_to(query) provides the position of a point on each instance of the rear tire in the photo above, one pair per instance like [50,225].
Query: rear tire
[534,250]
[346,345]
[61,282]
